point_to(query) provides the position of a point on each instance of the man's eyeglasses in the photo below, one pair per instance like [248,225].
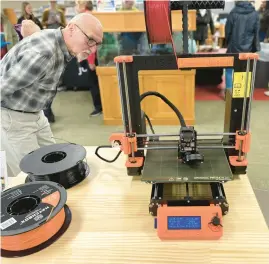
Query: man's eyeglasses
[91,41]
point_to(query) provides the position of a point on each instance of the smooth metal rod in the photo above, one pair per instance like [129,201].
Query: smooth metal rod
[177,135]
[128,104]
[245,97]
[216,147]
[157,148]
[127,98]
[202,147]
[243,119]
[121,96]
[251,94]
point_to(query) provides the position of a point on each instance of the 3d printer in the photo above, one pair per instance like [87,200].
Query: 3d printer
[188,170]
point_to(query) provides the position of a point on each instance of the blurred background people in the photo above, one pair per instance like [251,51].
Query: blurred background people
[203,19]
[242,28]
[129,40]
[261,12]
[241,32]
[264,21]
[129,5]
[27,13]
[87,7]
[53,17]
[9,36]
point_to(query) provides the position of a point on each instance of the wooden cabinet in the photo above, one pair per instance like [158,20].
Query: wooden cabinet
[178,86]
[130,21]
[109,89]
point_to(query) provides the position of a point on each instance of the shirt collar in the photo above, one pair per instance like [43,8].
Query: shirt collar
[60,39]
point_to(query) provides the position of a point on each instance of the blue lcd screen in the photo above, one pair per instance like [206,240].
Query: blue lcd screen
[184,222]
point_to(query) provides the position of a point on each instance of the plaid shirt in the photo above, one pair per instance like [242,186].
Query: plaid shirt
[30,72]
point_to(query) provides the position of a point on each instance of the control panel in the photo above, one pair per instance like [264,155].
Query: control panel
[189,222]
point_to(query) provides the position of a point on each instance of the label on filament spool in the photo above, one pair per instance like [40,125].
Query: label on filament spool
[28,206]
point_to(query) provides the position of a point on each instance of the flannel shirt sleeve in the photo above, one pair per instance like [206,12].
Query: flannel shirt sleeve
[30,67]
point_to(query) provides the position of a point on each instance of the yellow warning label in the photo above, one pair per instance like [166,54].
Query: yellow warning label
[239,84]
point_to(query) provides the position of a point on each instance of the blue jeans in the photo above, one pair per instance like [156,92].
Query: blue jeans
[229,78]
[262,36]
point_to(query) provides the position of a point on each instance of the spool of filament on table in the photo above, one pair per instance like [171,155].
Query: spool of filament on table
[33,216]
[60,163]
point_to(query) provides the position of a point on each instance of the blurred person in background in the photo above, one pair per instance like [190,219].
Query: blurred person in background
[129,40]
[263,24]
[128,5]
[242,28]
[29,74]
[203,19]
[87,7]
[53,17]
[27,13]
[266,28]
[9,36]
[242,33]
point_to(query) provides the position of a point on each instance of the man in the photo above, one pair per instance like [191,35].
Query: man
[30,73]
[242,32]
[242,28]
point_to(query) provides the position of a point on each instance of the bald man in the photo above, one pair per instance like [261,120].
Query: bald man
[29,75]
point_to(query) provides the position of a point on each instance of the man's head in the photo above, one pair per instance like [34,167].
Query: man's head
[263,5]
[267,5]
[82,35]
[128,4]
[53,4]
[82,6]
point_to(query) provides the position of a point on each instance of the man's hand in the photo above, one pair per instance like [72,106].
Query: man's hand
[28,27]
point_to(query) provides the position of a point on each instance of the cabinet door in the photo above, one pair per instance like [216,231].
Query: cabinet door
[177,86]
[110,95]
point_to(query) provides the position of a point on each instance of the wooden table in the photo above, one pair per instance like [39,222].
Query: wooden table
[111,225]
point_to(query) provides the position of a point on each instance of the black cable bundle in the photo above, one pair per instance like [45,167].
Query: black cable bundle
[60,163]
[169,103]
[144,95]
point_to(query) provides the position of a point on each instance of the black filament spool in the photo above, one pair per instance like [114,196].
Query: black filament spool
[60,163]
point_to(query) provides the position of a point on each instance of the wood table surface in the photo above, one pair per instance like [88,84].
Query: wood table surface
[111,224]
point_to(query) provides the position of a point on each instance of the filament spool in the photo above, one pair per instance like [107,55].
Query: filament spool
[158,21]
[33,216]
[60,163]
